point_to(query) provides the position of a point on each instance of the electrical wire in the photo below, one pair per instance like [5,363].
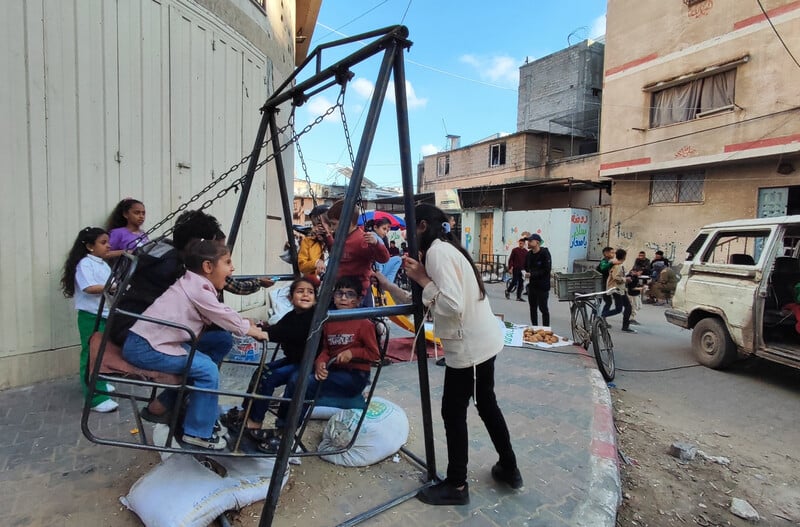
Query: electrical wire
[776,33]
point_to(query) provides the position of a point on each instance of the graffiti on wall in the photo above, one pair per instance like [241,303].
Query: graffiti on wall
[515,233]
[579,231]
[467,237]
[625,235]
[669,249]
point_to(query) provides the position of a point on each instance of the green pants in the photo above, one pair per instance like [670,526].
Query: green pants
[85,328]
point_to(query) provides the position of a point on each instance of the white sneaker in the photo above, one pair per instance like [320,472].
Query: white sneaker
[106,406]
[212,443]
[110,388]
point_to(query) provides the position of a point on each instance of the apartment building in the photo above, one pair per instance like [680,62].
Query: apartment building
[700,116]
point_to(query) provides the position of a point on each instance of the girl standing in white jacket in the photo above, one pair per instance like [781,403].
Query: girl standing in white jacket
[471,338]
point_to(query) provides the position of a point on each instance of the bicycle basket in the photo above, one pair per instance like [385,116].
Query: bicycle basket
[568,284]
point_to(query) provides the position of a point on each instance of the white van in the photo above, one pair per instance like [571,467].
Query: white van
[737,278]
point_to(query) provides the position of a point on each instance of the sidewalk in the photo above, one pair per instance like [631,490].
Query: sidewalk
[557,407]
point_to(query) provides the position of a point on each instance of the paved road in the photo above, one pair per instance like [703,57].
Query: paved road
[754,402]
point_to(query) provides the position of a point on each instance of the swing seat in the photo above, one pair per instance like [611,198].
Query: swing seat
[112,363]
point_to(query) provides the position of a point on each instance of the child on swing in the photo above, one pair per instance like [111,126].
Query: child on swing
[193,302]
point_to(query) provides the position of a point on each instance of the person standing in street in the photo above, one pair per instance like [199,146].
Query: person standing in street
[538,265]
[516,265]
[453,291]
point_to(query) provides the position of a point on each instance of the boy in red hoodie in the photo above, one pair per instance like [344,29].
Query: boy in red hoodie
[361,249]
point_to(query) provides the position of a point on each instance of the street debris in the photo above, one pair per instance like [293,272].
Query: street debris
[744,510]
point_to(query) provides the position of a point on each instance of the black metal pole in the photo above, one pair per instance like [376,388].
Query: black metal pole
[233,233]
[326,292]
[287,211]
[411,236]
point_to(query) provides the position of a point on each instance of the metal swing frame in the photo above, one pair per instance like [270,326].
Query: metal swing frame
[392,42]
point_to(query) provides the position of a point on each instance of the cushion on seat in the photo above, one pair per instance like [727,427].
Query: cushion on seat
[114,364]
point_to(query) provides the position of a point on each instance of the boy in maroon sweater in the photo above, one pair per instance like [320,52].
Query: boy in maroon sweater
[343,341]
[361,249]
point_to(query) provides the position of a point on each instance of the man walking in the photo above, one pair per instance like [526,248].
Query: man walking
[516,265]
[538,265]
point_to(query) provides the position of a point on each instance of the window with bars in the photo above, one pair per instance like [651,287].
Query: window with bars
[497,154]
[442,165]
[677,188]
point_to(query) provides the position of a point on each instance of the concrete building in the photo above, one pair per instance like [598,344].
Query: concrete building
[148,99]
[561,94]
[511,184]
[701,117]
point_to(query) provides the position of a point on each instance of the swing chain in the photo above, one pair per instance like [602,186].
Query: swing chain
[340,104]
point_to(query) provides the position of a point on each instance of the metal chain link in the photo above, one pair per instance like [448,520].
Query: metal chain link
[359,200]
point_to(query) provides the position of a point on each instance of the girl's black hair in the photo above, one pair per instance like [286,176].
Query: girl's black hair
[86,236]
[381,221]
[438,228]
[199,251]
[117,217]
[302,280]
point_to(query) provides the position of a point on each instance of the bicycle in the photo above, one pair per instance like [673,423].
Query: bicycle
[588,326]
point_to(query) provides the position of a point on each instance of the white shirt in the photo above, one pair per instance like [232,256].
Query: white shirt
[469,330]
[91,271]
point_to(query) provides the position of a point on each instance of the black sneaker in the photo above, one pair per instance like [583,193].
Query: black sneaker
[441,362]
[634,323]
[444,493]
[510,477]
[629,330]
[508,294]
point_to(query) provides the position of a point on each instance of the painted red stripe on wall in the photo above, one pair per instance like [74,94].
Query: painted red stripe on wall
[628,163]
[771,12]
[631,64]
[762,143]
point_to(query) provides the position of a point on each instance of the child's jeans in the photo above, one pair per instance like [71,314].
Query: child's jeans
[340,383]
[276,373]
[202,411]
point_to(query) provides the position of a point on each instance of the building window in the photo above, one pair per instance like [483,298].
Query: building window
[442,165]
[677,188]
[690,100]
[497,154]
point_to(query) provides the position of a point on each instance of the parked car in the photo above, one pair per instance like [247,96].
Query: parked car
[737,281]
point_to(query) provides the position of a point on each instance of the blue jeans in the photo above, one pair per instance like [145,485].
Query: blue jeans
[390,268]
[215,343]
[340,383]
[201,411]
[276,373]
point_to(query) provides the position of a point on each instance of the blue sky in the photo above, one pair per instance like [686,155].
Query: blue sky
[462,73]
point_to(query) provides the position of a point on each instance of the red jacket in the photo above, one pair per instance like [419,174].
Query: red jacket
[358,256]
[356,335]
[517,258]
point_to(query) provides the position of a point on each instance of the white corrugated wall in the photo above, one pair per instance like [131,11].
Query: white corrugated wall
[104,100]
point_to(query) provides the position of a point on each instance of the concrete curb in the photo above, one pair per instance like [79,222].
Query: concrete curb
[605,491]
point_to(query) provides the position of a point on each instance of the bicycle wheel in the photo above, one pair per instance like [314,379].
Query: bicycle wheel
[580,326]
[603,349]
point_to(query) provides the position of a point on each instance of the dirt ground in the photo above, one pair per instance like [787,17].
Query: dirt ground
[660,490]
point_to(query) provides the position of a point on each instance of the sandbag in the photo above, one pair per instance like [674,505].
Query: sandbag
[384,431]
[182,492]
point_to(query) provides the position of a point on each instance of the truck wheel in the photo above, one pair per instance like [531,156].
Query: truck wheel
[712,344]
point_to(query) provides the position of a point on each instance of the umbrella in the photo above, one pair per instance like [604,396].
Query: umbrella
[395,222]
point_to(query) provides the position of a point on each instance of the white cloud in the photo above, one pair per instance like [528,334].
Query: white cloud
[363,87]
[411,97]
[499,69]
[598,28]
[428,150]
[317,106]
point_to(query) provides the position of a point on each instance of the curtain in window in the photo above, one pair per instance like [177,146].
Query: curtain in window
[717,91]
[676,104]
